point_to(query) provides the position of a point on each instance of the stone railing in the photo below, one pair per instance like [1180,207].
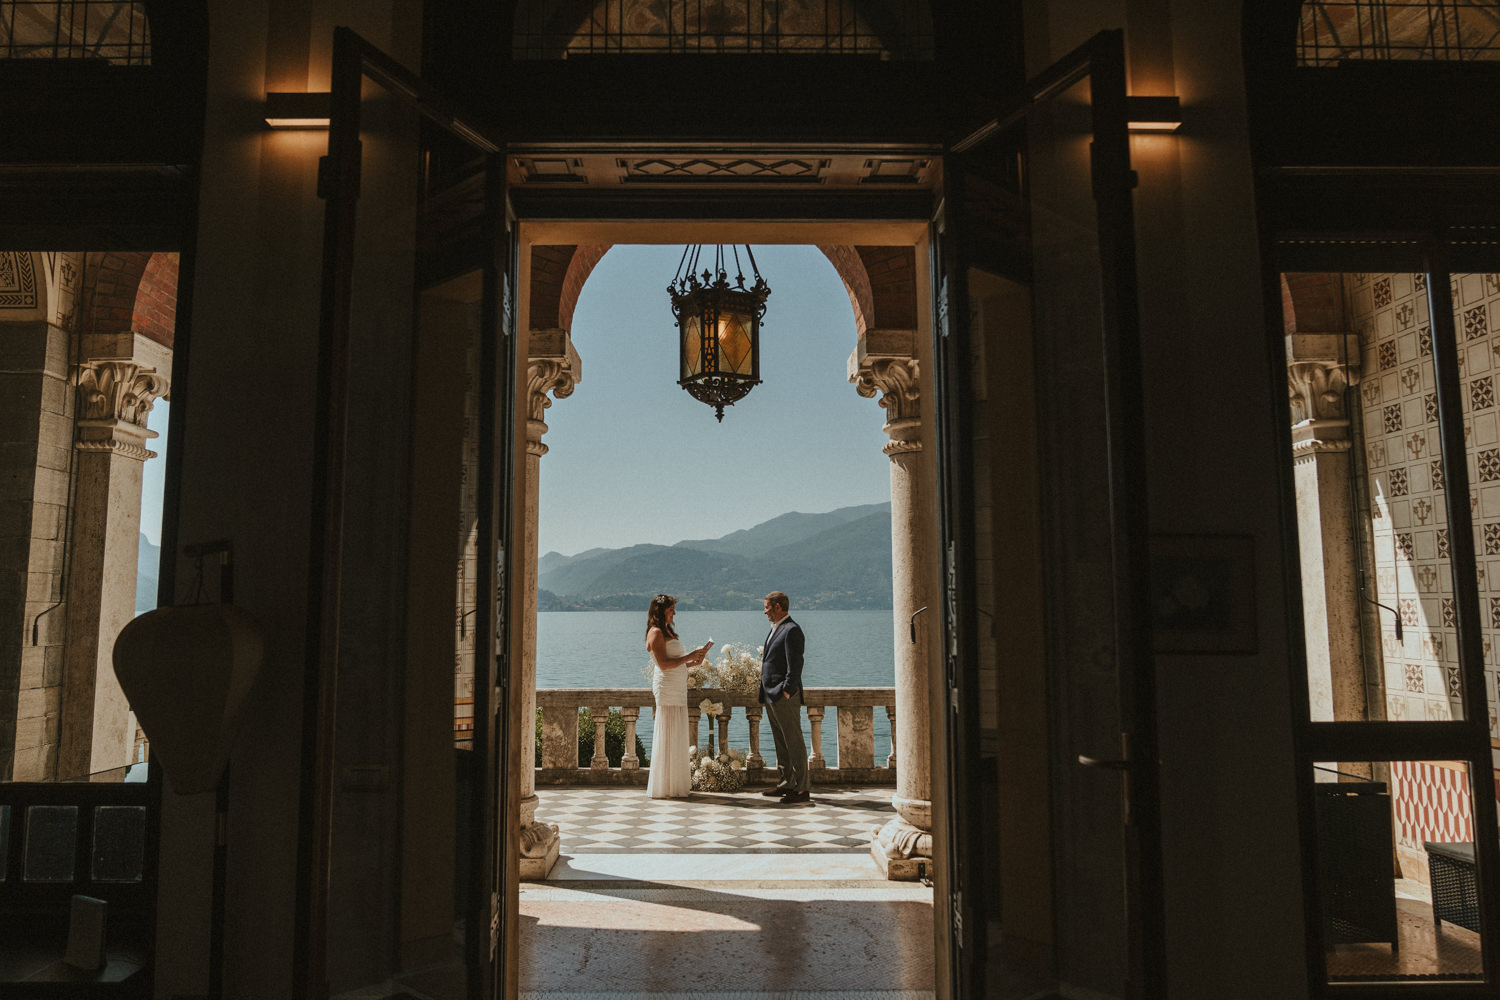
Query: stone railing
[854,726]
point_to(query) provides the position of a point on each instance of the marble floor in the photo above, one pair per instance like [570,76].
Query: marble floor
[721,896]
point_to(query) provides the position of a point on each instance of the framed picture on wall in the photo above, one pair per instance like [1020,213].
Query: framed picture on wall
[1203,593]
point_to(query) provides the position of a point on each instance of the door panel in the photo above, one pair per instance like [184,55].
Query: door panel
[401,874]
[1045,518]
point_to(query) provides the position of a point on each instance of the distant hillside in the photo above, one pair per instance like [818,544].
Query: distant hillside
[783,530]
[841,559]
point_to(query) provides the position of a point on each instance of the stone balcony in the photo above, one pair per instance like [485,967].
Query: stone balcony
[852,722]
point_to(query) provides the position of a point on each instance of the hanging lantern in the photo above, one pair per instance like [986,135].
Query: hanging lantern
[718,328]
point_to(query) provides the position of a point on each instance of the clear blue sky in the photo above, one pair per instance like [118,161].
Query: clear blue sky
[633,458]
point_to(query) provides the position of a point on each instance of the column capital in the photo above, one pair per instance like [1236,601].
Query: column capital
[885,362]
[552,366]
[114,398]
[1320,368]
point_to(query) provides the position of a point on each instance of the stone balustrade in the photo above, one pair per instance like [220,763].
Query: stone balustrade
[853,722]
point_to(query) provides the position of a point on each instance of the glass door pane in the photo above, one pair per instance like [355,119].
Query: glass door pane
[1379,608]
[1397,895]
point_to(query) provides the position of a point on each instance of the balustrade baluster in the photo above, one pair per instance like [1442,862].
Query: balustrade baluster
[815,759]
[630,762]
[890,714]
[753,760]
[600,760]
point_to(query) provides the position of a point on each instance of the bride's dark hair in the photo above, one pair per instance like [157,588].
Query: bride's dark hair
[656,615]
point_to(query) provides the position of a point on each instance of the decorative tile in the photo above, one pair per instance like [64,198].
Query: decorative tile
[1450,613]
[1424,340]
[1476,323]
[1387,355]
[1407,607]
[1422,509]
[1405,313]
[1411,378]
[1482,393]
[1392,419]
[1414,678]
[1382,289]
[1396,481]
[1488,462]
[1404,545]
[1430,404]
[1436,471]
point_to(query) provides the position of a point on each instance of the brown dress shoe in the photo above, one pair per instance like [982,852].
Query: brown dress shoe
[793,798]
[774,790]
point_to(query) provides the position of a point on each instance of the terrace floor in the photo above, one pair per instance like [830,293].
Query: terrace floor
[720,895]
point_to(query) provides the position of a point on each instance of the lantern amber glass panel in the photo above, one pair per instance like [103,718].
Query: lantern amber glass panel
[692,346]
[734,343]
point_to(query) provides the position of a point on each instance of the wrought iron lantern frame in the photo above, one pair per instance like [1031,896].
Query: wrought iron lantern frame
[711,313]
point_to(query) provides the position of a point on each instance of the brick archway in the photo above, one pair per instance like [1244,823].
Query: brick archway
[880,280]
[1312,303]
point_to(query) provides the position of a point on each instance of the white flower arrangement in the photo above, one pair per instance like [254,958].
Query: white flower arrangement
[724,773]
[715,772]
[736,672]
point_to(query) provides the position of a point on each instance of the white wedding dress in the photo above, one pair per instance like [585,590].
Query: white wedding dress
[669,729]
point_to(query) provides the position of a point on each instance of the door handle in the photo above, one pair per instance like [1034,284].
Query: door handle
[1122,764]
[1108,765]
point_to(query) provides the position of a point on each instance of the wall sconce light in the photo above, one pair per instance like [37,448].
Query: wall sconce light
[298,111]
[1153,114]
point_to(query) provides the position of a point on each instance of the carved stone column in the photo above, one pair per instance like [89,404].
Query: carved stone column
[1320,368]
[885,364]
[115,394]
[553,367]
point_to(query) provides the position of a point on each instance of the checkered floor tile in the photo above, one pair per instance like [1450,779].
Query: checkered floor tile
[625,821]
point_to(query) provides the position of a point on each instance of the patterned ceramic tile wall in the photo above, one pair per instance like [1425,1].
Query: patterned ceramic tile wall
[1406,482]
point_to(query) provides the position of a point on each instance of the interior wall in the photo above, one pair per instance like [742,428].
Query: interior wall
[248,384]
[1233,872]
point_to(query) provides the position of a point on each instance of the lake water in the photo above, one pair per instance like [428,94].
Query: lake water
[607,649]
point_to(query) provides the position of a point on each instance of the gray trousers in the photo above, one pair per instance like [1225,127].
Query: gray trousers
[791,749]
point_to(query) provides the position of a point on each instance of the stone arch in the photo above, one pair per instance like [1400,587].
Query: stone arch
[113,281]
[1312,303]
[880,281]
[155,311]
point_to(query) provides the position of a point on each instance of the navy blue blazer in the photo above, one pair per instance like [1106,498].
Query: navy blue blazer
[781,663]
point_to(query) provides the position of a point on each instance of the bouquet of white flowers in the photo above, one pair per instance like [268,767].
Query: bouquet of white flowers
[736,672]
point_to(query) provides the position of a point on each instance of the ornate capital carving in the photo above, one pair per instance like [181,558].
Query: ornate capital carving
[895,379]
[1317,389]
[114,398]
[556,370]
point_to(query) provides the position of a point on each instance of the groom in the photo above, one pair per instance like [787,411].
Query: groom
[781,693]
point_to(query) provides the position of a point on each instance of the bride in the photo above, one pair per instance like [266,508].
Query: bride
[670,778]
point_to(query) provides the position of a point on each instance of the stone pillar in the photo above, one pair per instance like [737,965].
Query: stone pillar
[115,395]
[1320,368]
[553,367]
[885,363]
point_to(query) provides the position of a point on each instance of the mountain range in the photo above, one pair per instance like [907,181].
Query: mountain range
[840,559]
